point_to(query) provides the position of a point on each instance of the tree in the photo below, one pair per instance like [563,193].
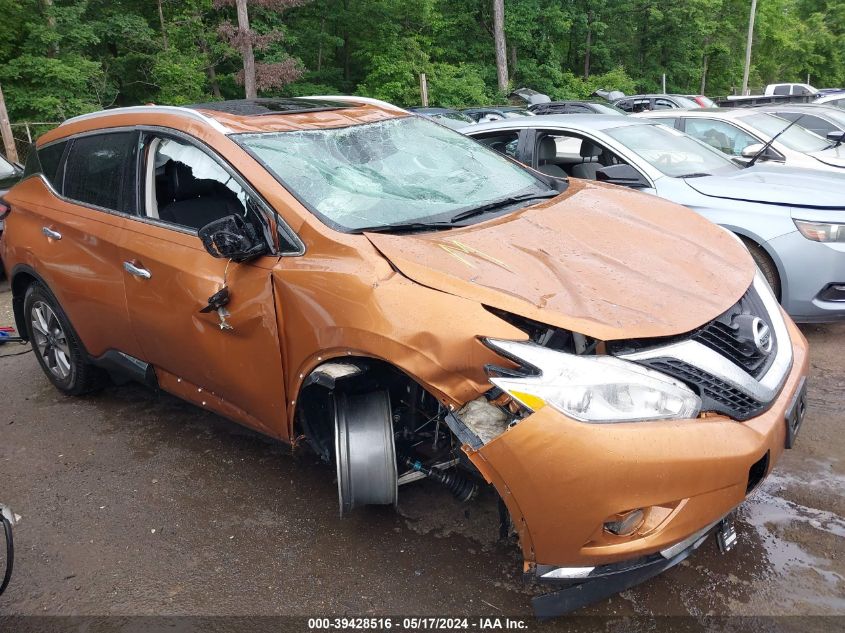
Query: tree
[256,75]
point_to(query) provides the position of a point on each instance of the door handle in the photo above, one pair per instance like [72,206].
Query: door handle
[53,235]
[132,269]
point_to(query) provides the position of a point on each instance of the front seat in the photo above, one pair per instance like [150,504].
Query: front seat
[195,202]
[588,168]
[546,153]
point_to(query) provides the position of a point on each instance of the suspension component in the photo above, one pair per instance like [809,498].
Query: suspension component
[459,485]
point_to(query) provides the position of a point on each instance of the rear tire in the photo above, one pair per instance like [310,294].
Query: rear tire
[57,346]
[765,264]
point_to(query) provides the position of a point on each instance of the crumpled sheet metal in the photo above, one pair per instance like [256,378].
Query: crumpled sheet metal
[600,260]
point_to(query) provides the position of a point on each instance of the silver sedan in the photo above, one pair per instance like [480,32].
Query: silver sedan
[792,220]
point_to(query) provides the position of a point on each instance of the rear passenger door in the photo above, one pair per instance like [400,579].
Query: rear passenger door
[169,278]
[76,209]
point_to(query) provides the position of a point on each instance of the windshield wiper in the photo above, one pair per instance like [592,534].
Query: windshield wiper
[502,202]
[402,227]
[697,174]
[768,143]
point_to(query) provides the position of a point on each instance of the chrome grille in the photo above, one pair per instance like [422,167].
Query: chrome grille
[717,362]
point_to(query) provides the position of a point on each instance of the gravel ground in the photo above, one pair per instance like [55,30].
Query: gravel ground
[135,503]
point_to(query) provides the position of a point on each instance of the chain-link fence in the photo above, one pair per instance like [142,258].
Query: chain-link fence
[24,135]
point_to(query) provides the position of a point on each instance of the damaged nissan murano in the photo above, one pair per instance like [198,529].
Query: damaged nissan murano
[339,273]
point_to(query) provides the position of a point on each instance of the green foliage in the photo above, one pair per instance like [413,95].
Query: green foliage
[63,57]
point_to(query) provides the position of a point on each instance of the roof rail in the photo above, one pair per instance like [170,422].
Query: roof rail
[354,99]
[152,109]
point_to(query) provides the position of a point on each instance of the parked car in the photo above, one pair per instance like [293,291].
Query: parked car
[495,113]
[333,271]
[645,103]
[576,107]
[777,212]
[702,101]
[804,90]
[824,92]
[743,132]
[10,173]
[826,121]
[445,116]
[836,100]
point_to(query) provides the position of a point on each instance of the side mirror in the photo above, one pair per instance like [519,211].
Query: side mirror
[750,151]
[837,136]
[232,237]
[623,175]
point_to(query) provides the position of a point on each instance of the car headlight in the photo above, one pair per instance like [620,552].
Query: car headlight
[598,389]
[821,231]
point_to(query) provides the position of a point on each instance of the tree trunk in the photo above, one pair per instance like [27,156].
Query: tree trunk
[320,48]
[246,50]
[704,73]
[163,29]
[6,131]
[501,46]
[47,8]
[210,71]
[589,44]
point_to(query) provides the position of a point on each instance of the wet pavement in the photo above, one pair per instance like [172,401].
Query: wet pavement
[133,502]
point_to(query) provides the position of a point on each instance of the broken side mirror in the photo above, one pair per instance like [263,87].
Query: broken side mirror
[232,237]
[624,175]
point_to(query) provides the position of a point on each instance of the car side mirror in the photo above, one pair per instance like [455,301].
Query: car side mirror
[751,151]
[232,237]
[624,175]
[837,136]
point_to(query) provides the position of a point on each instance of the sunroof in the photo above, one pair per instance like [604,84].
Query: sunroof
[263,106]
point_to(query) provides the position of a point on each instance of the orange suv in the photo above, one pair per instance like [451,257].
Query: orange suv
[337,271]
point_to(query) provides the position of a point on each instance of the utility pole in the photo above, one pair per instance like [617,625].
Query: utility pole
[6,131]
[748,47]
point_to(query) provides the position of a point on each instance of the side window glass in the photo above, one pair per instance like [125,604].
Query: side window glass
[100,171]
[667,121]
[663,104]
[781,90]
[625,105]
[502,142]
[723,136]
[49,159]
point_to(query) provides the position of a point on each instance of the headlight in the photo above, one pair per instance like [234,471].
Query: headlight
[593,388]
[821,231]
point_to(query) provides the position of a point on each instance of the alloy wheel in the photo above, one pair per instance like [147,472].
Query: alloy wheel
[50,340]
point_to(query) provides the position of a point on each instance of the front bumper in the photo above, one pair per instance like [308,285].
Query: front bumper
[807,269]
[602,582]
[562,479]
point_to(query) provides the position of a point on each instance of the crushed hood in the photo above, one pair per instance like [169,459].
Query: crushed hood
[774,184]
[600,260]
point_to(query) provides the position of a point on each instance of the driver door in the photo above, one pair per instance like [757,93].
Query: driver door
[169,277]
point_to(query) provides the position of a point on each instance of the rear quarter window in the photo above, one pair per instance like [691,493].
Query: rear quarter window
[100,170]
[46,161]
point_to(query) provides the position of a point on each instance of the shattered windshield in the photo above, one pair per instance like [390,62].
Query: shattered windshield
[397,171]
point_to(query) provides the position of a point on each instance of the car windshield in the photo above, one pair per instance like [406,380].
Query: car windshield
[608,108]
[684,102]
[6,168]
[672,152]
[515,114]
[796,137]
[396,171]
